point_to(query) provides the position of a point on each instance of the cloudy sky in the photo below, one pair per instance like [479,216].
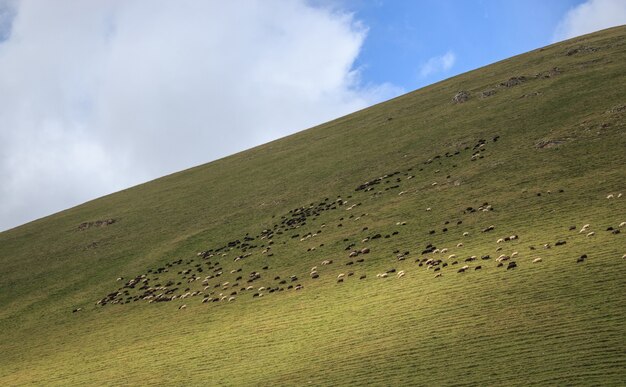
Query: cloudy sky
[96,96]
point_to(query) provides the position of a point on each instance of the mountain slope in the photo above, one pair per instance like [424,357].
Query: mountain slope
[536,148]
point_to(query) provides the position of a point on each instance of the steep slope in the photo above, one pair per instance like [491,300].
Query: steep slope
[532,146]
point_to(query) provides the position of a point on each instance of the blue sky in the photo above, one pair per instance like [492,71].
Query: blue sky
[97,96]
[404,35]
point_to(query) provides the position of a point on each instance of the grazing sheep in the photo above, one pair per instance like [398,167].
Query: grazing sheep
[438,275]
[478,267]
[503,258]
[184,306]
[461,270]
[514,254]
[536,260]
[591,234]
[459,245]
[610,196]
[443,251]
[623,224]
[231,299]
[382,275]
[400,274]
[465,267]
[429,209]
[341,275]
[363,276]
[500,240]
[451,256]
[466,233]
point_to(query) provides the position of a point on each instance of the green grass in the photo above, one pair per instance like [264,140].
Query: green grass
[554,322]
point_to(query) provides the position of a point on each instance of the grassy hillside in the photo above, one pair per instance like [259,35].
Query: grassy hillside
[534,148]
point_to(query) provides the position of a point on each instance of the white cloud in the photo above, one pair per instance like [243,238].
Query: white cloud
[591,16]
[97,96]
[437,64]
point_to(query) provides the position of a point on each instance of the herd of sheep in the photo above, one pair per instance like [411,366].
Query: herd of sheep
[204,277]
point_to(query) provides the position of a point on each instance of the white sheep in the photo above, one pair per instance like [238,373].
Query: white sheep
[536,260]
[466,233]
[459,245]
[438,275]
[184,306]
[231,298]
[514,254]
[622,224]
[501,240]
[591,234]
[451,256]
[610,196]
[444,250]
[400,274]
[341,275]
